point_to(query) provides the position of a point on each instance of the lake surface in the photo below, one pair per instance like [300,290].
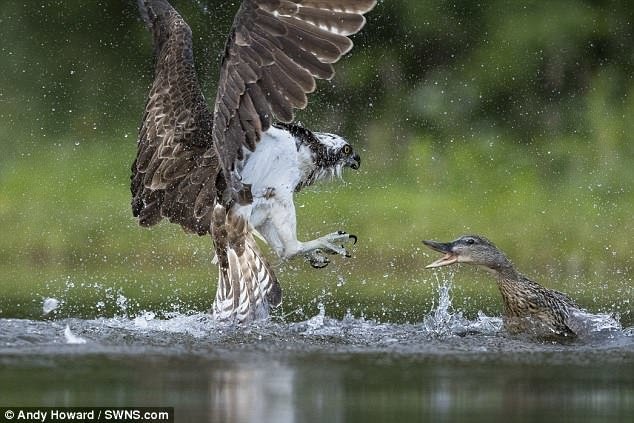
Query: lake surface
[446,368]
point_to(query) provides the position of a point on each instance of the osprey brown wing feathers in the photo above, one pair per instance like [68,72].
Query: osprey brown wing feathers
[171,170]
[274,53]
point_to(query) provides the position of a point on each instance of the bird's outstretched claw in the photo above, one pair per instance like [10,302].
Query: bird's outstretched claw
[333,243]
[350,236]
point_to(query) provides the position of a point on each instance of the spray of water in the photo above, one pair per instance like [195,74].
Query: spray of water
[443,320]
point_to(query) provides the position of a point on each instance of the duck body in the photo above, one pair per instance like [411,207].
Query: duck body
[528,307]
[531,308]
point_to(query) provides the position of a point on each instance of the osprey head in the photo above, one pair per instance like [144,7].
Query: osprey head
[322,155]
[335,152]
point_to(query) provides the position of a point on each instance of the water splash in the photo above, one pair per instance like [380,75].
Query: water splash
[584,323]
[445,333]
[122,304]
[445,326]
[49,305]
[143,319]
[486,324]
[71,338]
[197,325]
[442,320]
[318,321]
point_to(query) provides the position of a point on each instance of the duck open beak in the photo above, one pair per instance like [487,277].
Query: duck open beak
[441,247]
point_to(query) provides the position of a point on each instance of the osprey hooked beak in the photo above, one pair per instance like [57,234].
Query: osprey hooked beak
[442,247]
[354,161]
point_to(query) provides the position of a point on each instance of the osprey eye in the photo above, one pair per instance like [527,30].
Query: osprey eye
[347,149]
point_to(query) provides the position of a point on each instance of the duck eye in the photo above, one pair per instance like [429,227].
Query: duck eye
[347,149]
[470,241]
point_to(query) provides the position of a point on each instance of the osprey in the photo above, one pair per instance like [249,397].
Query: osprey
[232,172]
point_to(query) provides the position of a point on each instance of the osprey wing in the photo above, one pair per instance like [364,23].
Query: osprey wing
[274,53]
[174,172]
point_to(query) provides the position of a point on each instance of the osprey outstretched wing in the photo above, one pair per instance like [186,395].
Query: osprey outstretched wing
[211,173]
[176,164]
[275,51]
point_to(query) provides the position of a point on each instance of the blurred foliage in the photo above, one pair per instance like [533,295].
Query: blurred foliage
[528,70]
[510,119]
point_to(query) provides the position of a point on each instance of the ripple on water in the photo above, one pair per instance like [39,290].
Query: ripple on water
[444,333]
[198,334]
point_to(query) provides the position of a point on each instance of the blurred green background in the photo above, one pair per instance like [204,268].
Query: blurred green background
[508,119]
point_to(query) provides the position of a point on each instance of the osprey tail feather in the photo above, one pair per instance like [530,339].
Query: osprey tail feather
[247,286]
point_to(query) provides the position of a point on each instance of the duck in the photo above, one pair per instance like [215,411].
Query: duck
[529,308]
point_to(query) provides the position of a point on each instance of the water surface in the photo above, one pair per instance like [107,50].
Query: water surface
[446,368]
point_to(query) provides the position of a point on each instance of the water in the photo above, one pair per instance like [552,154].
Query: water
[446,368]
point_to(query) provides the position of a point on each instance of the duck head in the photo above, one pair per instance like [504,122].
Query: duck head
[472,249]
